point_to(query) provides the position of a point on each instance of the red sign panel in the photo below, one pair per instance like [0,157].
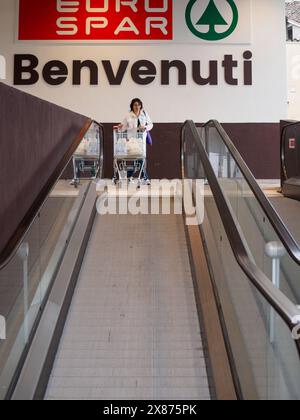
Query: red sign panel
[95,20]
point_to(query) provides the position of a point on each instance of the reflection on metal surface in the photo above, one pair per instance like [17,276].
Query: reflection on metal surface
[2,328]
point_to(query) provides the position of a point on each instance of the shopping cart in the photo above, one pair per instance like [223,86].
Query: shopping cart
[87,158]
[130,153]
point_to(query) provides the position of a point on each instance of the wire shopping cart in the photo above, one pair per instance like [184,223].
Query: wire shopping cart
[130,154]
[87,157]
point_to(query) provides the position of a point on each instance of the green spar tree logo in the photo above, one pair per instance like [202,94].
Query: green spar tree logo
[212,17]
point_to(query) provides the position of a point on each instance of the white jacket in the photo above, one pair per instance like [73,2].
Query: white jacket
[130,122]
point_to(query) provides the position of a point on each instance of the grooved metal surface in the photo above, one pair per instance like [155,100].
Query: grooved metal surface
[289,212]
[132,330]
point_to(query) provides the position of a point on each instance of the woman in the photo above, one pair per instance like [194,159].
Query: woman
[138,118]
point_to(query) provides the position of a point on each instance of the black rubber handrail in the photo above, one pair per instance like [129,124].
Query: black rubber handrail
[14,243]
[280,228]
[286,309]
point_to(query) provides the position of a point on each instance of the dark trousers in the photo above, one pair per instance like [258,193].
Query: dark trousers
[144,172]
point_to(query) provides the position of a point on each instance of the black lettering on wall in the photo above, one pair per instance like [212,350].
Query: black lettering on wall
[20,69]
[55,72]
[248,78]
[212,78]
[143,72]
[166,66]
[77,70]
[115,79]
[229,64]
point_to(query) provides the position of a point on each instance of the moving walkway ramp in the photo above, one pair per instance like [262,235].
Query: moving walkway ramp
[133,331]
[200,305]
[289,211]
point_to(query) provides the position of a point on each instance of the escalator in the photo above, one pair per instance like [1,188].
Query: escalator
[290,160]
[152,306]
[269,245]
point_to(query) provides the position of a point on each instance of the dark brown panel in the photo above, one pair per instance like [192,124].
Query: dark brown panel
[259,144]
[35,137]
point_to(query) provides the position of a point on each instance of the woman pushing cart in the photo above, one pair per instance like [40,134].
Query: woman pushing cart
[130,139]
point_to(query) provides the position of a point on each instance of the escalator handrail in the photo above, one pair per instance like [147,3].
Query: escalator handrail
[101,155]
[14,243]
[286,309]
[280,228]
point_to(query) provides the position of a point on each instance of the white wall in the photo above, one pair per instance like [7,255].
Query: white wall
[265,101]
[293,64]
[296,33]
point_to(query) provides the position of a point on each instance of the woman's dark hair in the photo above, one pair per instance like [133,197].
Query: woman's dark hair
[136,100]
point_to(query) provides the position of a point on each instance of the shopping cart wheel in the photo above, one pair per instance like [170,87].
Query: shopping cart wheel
[75,183]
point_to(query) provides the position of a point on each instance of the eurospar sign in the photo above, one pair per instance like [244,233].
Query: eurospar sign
[139,22]
[96,20]
[135,20]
